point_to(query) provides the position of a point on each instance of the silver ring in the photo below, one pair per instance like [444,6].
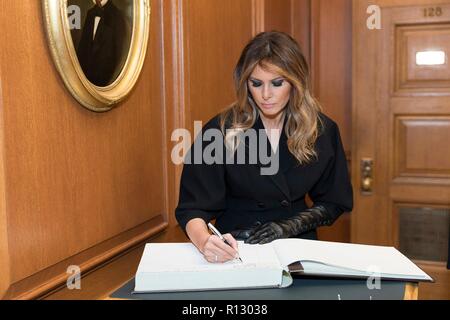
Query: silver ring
[215,258]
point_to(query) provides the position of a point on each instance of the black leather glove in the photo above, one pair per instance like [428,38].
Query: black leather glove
[307,220]
[243,233]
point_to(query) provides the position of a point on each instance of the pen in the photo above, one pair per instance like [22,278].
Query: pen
[217,233]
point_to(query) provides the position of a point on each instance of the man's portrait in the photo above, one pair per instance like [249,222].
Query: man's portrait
[103,42]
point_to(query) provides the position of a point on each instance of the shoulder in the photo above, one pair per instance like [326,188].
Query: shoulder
[326,124]
[328,133]
[214,123]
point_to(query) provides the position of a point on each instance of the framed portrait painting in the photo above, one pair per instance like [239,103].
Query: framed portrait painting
[98,47]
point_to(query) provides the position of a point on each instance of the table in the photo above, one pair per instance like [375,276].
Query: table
[303,288]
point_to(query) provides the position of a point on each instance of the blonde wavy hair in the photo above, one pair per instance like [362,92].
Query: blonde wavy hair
[276,50]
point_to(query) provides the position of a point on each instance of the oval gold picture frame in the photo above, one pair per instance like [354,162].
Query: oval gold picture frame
[93,97]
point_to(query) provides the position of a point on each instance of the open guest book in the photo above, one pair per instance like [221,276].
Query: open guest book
[166,267]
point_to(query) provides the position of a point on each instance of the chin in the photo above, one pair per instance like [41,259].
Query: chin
[270,113]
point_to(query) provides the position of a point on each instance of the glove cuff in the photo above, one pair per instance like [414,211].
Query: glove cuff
[311,219]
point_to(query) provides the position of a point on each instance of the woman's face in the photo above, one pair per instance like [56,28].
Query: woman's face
[270,91]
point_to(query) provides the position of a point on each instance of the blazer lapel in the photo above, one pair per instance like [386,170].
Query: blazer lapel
[283,154]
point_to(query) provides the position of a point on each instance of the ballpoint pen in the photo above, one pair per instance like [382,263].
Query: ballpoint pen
[217,233]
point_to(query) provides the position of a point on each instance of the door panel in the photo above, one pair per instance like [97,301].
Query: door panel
[401,118]
[431,74]
[423,232]
[418,149]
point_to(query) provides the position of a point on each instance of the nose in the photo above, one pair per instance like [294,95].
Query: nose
[267,92]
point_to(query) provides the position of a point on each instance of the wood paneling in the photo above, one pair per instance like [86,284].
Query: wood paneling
[4,252]
[73,178]
[41,283]
[431,291]
[418,147]
[332,61]
[209,59]
[80,188]
[279,15]
[412,78]
[100,283]
[331,68]
[301,25]
[401,122]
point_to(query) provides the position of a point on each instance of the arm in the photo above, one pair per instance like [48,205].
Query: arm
[307,220]
[197,231]
[202,199]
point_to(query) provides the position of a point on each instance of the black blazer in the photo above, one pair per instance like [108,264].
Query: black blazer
[238,195]
[100,57]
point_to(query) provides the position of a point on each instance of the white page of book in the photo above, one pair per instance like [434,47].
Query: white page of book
[263,256]
[185,257]
[363,258]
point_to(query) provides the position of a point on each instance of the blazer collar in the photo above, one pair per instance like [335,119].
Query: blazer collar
[285,158]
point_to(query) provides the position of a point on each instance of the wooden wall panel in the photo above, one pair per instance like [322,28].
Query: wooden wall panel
[73,178]
[4,252]
[214,34]
[418,148]
[279,15]
[331,68]
[301,25]
[332,61]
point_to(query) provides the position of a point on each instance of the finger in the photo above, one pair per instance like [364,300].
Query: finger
[231,240]
[210,249]
[212,259]
[220,248]
[265,230]
[266,240]
[262,240]
[219,256]
[225,247]
[255,228]
[263,234]
[253,240]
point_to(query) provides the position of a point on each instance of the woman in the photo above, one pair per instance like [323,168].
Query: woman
[272,83]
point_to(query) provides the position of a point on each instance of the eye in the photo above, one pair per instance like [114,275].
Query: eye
[256,84]
[278,83]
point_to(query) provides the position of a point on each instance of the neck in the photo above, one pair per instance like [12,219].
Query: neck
[273,123]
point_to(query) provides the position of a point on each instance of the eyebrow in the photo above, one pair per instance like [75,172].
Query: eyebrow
[254,79]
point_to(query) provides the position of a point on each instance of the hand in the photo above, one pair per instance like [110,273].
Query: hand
[245,233]
[268,232]
[216,251]
[307,220]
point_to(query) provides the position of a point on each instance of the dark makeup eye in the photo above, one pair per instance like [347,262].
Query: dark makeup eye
[256,84]
[278,83]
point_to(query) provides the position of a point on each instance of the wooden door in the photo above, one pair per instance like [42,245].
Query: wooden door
[401,132]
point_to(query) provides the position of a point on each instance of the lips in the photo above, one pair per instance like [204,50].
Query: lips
[267,105]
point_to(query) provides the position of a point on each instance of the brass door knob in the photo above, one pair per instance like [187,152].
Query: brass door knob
[367,184]
[367,176]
